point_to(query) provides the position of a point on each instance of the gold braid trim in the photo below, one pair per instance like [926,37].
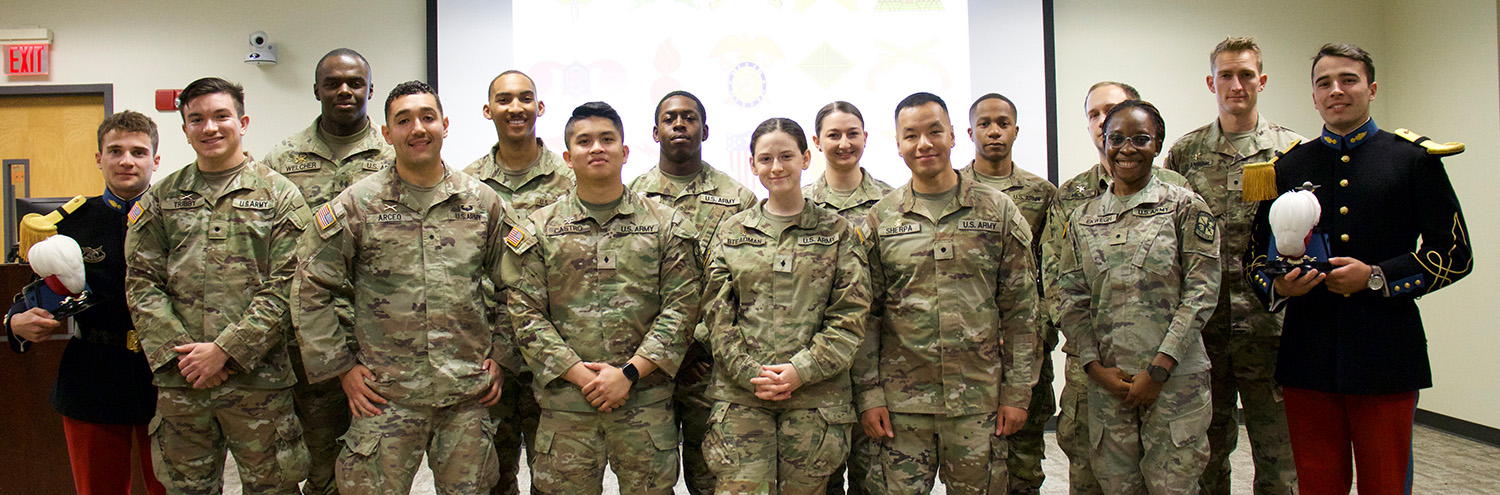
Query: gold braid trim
[1441,267]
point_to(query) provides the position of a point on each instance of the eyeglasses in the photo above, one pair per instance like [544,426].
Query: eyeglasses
[1117,140]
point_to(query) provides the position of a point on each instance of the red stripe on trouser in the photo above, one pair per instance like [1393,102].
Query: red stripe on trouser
[1332,433]
[100,456]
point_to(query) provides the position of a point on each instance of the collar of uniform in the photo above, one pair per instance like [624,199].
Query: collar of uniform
[571,209]
[1151,194]
[807,219]
[1350,141]
[1100,178]
[1263,138]
[307,141]
[965,186]
[1007,182]
[395,187]
[866,192]
[658,183]
[192,179]
[117,203]
[546,163]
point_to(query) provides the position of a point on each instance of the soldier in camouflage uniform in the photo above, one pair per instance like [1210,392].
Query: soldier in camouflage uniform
[341,147]
[787,300]
[211,254]
[848,189]
[954,358]
[607,293]
[682,180]
[1242,338]
[1072,418]
[993,128]
[528,176]
[409,248]
[1140,271]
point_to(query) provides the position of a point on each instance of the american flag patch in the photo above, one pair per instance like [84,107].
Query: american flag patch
[515,237]
[325,216]
[135,213]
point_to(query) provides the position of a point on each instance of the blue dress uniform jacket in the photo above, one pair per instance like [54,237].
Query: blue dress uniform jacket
[1387,203]
[99,379]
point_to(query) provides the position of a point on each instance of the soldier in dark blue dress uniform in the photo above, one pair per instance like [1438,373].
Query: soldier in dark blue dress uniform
[1353,352]
[103,387]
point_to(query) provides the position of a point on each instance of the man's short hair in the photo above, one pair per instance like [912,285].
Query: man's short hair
[208,86]
[1130,92]
[1161,125]
[342,52]
[1350,52]
[994,96]
[918,99]
[837,106]
[411,88]
[129,121]
[702,113]
[491,87]
[589,110]
[1235,44]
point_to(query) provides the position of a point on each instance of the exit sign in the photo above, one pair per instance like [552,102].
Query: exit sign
[27,60]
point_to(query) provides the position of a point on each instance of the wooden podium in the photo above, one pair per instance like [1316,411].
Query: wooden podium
[33,450]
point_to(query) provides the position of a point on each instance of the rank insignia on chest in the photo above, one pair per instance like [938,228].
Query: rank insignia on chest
[1205,228]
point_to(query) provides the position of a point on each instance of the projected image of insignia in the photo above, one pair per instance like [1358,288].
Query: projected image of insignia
[576,79]
[737,146]
[907,5]
[825,65]
[667,61]
[747,84]
[914,62]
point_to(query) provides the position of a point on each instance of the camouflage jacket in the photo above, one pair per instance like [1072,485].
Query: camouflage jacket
[416,271]
[605,293]
[1031,193]
[545,180]
[957,298]
[205,268]
[857,205]
[798,296]
[1070,195]
[1139,278]
[710,198]
[1215,169]
[306,161]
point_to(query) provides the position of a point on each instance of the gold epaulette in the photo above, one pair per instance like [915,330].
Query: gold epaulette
[1433,147]
[1259,181]
[37,228]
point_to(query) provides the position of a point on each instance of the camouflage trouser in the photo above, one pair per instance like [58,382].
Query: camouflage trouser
[1028,447]
[1159,449]
[323,410]
[693,405]
[1073,429]
[638,443]
[515,418]
[192,429]
[863,467]
[965,449]
[776,451]
[383,454]
[1244,368]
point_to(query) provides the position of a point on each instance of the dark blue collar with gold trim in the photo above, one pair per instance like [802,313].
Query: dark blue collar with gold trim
[1353,139]
[116,203]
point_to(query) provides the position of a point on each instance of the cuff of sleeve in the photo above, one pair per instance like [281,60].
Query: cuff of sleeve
[239,353]
[163,356]
[1087,354]
[807,368]
[1017,397]
[329,367]
[1172,344]
[870,399]
[658,356]
[545,374]
[700,336]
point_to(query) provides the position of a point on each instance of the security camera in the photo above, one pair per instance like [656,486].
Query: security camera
[262,52]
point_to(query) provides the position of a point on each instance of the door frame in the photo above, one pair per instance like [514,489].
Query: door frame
[106,90]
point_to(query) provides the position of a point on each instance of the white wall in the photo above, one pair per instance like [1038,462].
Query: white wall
[144,45]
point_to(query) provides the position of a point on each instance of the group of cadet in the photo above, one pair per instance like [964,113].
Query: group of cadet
[336,310]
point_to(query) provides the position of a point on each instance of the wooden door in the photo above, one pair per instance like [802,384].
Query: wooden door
[58,134]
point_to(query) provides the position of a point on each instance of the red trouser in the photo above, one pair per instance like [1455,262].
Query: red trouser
[100,455]
[1325,425]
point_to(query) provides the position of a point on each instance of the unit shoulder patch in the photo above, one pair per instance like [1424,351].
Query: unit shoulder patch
[1205,227]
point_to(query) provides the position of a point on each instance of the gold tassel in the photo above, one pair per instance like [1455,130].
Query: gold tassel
[1259,181]
[37,228]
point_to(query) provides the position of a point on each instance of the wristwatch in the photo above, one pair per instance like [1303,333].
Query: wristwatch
[1158,374]
[1377,279]
[632,374]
